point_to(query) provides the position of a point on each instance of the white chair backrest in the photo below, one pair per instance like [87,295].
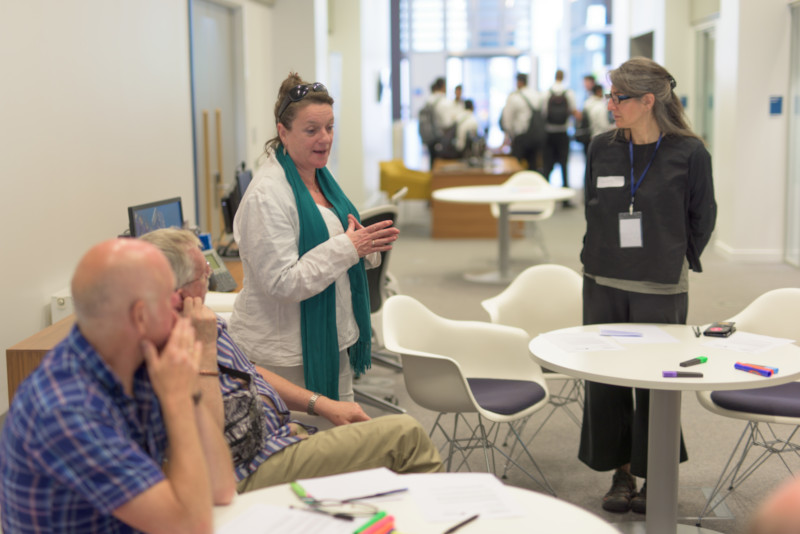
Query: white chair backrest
[541,298]
[431,345]
[775,313]
[527,211]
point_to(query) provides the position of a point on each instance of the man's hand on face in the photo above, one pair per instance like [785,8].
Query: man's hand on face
[204,320]
[174,371]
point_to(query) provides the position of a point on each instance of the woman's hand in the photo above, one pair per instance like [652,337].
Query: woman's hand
[376,237]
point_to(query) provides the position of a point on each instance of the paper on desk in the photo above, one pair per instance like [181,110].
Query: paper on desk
[454,496]
[642,333]
[746,342]
[582,342]
[353,485]
[268,519]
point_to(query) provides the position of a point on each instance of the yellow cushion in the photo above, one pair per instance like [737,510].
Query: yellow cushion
[395,175]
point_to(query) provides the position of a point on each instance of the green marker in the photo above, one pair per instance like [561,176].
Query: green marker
[374,519]
[298,490]
[694,361]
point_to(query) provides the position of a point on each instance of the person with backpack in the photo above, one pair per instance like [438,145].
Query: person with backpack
[558,108]
[522,121]
[435,117]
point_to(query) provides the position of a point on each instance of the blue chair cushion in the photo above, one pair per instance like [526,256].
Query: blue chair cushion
[783,400]
[505,396]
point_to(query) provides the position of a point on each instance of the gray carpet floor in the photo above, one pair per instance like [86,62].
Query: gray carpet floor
[432,272]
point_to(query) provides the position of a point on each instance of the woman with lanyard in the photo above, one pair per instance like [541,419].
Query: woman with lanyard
[650,211]
[304,311]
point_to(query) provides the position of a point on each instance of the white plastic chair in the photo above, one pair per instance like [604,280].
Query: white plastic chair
[540,299]
[775,313]
[529,212]
[464,367]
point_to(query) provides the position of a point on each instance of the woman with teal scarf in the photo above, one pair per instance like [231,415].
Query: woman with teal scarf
[303,312]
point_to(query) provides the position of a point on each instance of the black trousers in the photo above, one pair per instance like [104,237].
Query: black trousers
[532,156]
[556,150]
[614,430]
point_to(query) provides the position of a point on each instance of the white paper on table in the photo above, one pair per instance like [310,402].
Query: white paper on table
[454,496]
[356,484]
[582,341]
[647,333]
[269,519]
[746,342]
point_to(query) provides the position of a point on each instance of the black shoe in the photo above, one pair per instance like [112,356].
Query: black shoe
[623,488]
[639,502]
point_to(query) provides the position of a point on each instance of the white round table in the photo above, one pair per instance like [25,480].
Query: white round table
[640,365]
[542,513]
[503,196]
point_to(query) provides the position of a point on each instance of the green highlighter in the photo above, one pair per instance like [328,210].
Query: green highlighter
[372,520]
[694,361]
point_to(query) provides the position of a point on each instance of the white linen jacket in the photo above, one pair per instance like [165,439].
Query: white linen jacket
[266,314]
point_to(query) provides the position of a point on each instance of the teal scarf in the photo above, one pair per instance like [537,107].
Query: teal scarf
[318,313]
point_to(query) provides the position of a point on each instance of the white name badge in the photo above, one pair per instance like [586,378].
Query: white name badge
[630,230]
[610,181]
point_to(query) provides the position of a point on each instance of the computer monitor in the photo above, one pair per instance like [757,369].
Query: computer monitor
[243,179]
[230,203]
[155,215]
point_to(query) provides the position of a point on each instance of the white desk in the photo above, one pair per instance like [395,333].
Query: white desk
[640,365]
[542,514]
[503,196]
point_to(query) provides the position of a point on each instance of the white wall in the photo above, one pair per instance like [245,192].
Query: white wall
[376,118]
[96,117]
[750,155]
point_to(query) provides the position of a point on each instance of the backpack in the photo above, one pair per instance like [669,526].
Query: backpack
[429,131]
[536,135]
[557,108]
[583,131]
[446,145]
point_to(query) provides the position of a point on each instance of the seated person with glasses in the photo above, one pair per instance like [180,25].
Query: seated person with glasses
[304,311]
[267,447]
[108,434]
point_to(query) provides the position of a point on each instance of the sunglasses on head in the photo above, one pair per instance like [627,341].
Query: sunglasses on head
[298,93]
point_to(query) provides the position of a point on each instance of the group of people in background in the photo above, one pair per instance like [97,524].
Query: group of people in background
[448,128]
[537,124]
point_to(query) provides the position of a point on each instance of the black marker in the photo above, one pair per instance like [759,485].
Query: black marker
[694,361]
[680,374]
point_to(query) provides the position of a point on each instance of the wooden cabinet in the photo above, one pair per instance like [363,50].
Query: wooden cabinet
[451,220]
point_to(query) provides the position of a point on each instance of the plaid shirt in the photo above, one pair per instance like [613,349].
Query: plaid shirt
[75,447]
[278,435]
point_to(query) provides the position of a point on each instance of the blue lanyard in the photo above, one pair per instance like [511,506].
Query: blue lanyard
[635,187]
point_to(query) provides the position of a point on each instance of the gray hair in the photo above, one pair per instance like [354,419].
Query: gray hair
[175,244]
[639,76]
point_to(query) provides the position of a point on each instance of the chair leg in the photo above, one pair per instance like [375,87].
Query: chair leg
[733,474]
[378,402]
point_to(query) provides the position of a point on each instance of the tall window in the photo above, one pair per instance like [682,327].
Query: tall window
[465,26]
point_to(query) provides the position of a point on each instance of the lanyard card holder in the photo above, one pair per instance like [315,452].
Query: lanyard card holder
[630,229]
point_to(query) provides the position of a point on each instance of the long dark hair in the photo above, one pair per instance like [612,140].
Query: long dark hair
[289,114]
[639,76]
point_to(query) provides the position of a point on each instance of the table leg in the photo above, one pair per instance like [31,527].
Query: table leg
[663,455]
[662,461]
[503,240]
[503,273]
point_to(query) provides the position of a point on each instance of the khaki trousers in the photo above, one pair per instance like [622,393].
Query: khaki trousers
[397,442]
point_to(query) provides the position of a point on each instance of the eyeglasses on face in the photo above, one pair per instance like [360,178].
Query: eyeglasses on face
[618,98]
[204,277]
[298,93]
